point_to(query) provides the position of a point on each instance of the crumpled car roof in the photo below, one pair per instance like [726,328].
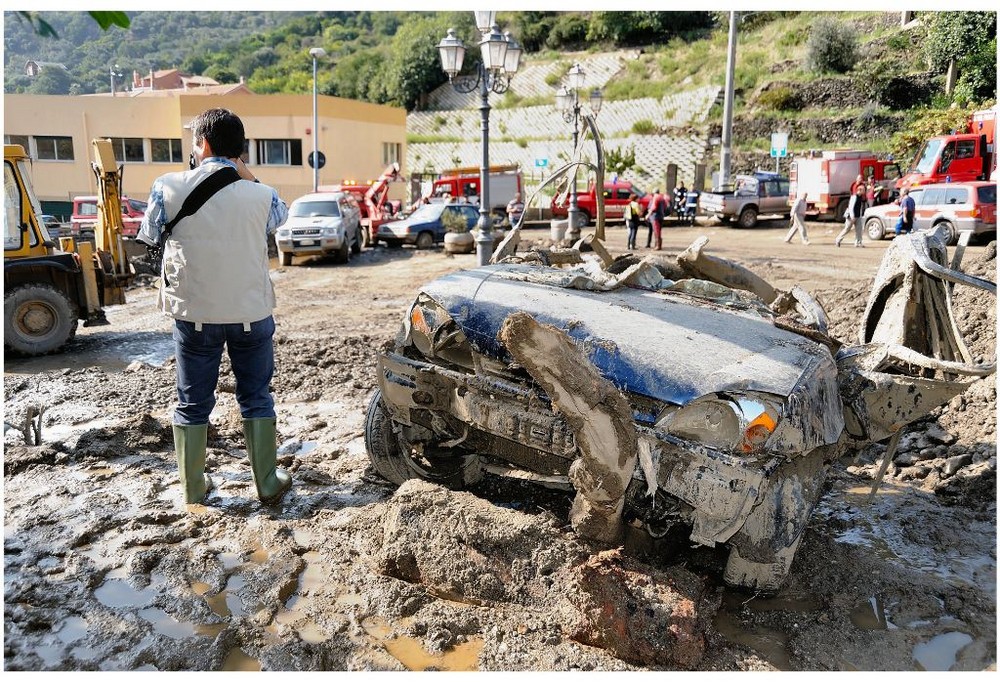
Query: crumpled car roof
[662,344]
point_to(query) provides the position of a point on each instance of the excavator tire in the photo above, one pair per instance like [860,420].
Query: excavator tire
[38,319]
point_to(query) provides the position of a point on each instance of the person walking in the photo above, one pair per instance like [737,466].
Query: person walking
[907,209]
[798,219]
[632,213]
[216,286]
[515,209]
[655,217]
[852,217]
[690,205]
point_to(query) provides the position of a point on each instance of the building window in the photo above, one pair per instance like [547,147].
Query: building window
[279,152]
[54,148]
[128,149]
[391,151]
[18,139]
[166,151]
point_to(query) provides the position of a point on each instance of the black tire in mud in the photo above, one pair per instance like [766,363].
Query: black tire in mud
[454,470]
[38,319]
[425,240]
[356,244]
[343,254]
[748,217]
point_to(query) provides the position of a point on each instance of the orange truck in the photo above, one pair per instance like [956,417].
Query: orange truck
[826,179]
[964,155]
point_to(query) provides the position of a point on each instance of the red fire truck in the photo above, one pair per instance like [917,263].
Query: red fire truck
[964,155]
[827,179]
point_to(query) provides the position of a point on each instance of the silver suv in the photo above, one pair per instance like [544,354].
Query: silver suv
[957,207]
[321,223]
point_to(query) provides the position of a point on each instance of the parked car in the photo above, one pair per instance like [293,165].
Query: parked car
[749,197]
[730,414]
[956,207]
[84,216]
[616,194]
[424,227]
[322,223]
[55,228]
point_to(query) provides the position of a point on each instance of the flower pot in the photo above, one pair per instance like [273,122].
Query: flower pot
[558,229]
[459,242]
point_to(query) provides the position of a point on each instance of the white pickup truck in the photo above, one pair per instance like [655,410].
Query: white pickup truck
[752,196]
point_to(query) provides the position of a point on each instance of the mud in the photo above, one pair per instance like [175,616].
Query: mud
[105,569]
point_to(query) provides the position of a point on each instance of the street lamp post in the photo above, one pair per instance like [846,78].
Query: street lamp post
[315,53]
[115,72]
[501,57]
[568,104]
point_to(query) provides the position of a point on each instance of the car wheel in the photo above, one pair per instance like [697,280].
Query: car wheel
[748,217]
[38,319]
[285,258]
[396,462]
[425,240]
[366,240]
[724,219]
[950,233]
[343,254]
[356,244]
[875,228]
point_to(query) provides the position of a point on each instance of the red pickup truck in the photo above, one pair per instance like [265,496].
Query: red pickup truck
[615,198]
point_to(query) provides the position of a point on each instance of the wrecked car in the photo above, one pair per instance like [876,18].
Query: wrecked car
[709,399]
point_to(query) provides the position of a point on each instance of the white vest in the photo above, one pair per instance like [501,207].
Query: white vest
[215,264]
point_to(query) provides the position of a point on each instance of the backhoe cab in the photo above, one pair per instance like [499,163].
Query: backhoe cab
[49,286]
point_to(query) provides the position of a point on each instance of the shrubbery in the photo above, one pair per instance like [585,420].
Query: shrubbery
[832,47]
[780,98]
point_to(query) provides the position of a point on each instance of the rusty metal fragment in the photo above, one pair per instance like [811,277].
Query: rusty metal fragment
[597,412]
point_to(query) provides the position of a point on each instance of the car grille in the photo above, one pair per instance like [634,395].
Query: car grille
[306,232]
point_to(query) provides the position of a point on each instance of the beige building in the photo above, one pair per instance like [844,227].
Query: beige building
[358,139]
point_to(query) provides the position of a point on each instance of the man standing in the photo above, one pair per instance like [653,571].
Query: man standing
[907,208]
[680,199]
[655,216]
[852,218]
[515,209]
[632,213]
[798,219]
[216,285]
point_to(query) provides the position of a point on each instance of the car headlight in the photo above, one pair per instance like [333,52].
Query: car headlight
[429,328]
[741,424]
[284,233]
[331,231]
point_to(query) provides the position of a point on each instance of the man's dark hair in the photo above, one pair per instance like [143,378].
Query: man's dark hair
[222,129]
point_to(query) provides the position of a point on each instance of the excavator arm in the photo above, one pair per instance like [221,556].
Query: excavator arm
[113,268]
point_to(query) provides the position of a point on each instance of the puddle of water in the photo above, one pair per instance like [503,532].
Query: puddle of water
[238,660]
[871,615]
[313,575]
[86,653]
[771,644]
[310,632]
[114,351]
[941,652]
[72,629]
[115,592]
[230,560]
[50,654]
[167,625]
[94,472]
[259,555]
[303,538]
[61,431]
[411,653]
[297,447]
[200,588]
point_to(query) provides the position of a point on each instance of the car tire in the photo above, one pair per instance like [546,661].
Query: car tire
[343,254]
[386,452]
[285,258]
[950,233]
[425,240]
[366,241]
[356,244]
[38,319]
[748,217]
[875,228]
[724,219]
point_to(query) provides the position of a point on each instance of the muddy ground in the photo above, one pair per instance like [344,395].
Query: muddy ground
[105,568]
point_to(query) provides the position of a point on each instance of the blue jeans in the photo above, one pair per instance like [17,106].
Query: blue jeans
[198,356]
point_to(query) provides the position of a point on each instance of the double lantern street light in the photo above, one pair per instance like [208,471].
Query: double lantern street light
[501,57]
[568,104]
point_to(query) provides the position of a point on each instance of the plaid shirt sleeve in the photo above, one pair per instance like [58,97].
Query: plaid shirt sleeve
[278,214]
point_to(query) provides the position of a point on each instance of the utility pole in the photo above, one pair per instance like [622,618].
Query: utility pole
[727,114]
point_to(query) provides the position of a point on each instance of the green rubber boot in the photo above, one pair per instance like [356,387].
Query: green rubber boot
[189,444]
[262,447]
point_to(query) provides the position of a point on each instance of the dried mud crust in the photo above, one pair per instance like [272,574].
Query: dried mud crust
[104,569]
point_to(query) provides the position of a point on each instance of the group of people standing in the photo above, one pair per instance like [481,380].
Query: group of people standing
[685,205]
[863,194]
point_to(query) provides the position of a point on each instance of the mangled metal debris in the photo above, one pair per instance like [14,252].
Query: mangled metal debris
[713,400]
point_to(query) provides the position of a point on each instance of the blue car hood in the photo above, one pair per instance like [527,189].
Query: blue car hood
[666,346]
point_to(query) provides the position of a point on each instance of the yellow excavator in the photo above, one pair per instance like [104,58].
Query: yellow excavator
[48,287]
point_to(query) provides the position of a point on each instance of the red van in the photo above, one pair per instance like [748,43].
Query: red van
[85,216]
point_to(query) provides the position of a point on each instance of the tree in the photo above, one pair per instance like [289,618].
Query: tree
[414,67]
[620,160]
[952,35]
[52,80]
[104,19]
[832,46]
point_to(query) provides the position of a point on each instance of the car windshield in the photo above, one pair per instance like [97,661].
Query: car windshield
[923,162]
[428,212]
[313,209]
[988,194]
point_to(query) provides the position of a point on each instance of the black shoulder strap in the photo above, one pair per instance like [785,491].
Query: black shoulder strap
[199,195]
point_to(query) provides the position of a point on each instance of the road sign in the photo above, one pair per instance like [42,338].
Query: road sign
[321,158]
[541,163]
[779,144]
